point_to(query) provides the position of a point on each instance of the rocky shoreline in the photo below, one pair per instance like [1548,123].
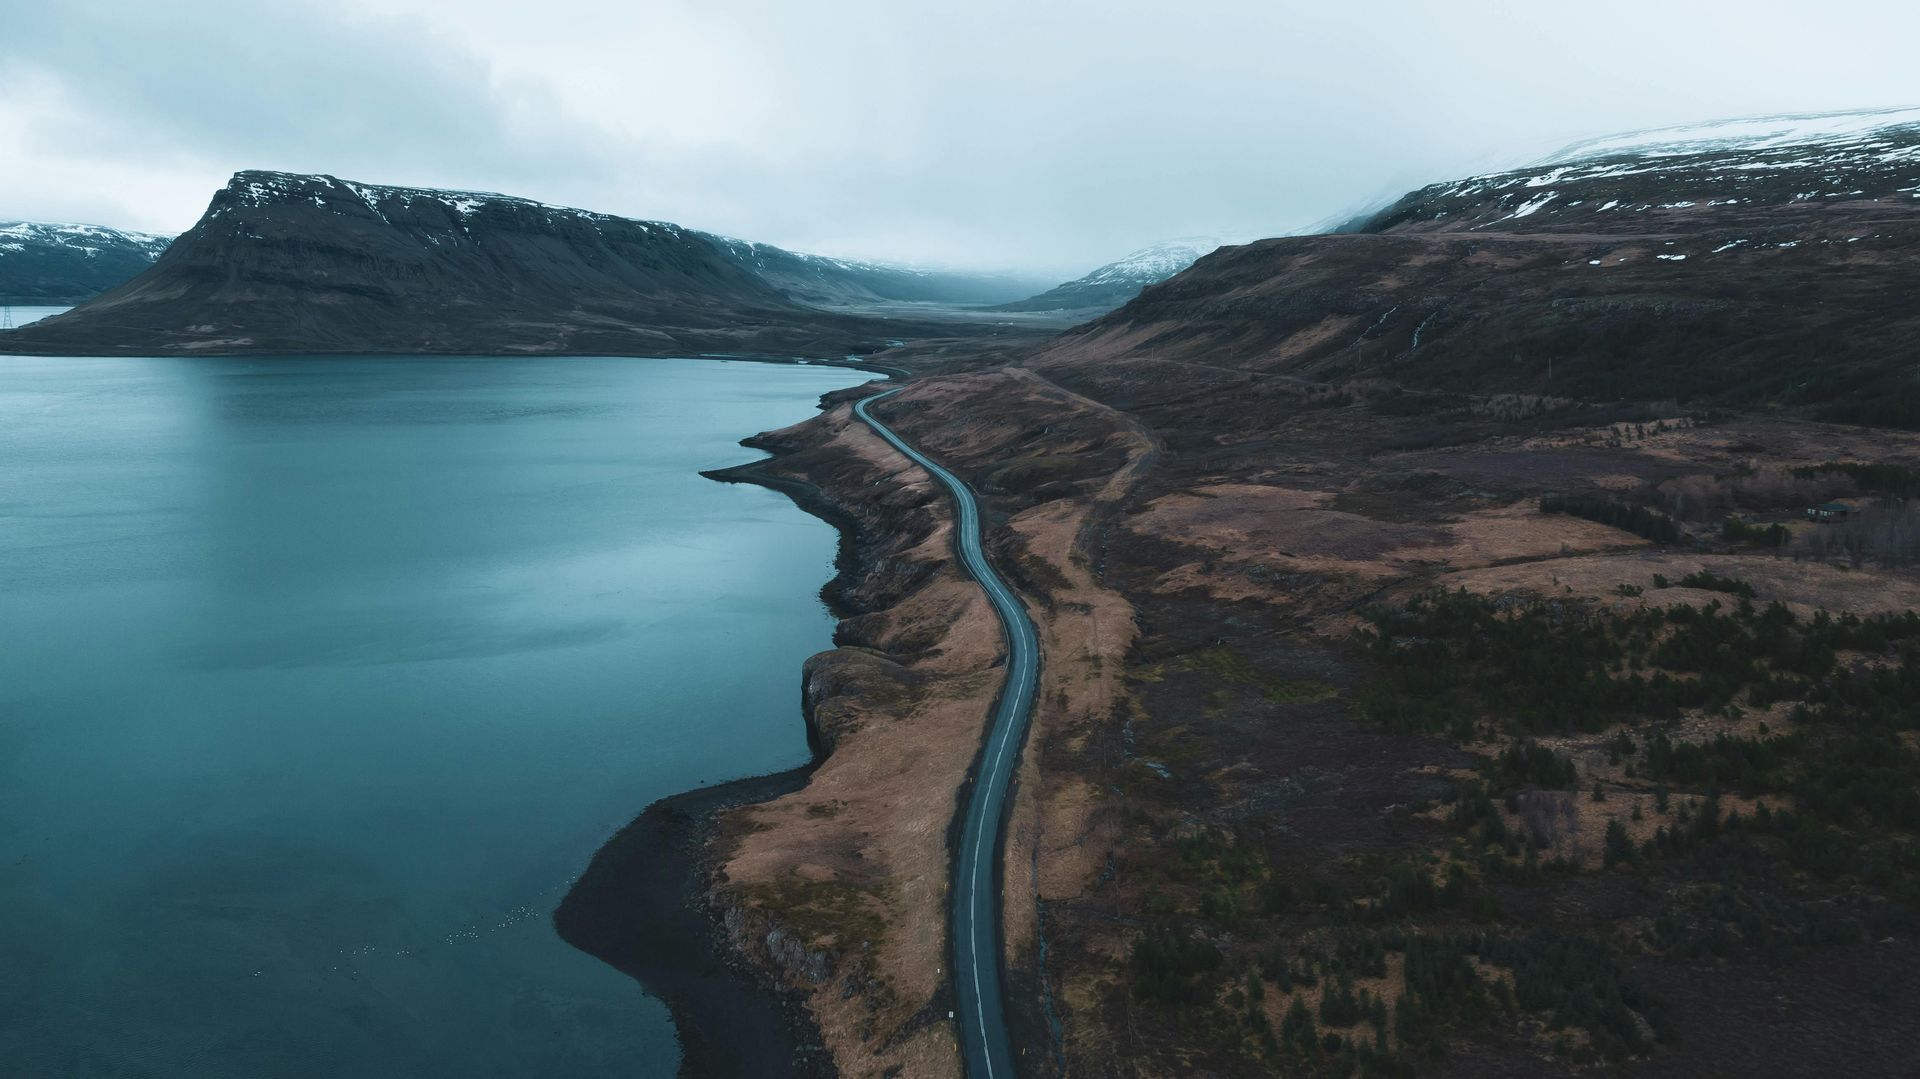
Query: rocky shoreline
[643,906]
[648,905]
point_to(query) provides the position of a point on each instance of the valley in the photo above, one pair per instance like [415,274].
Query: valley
[1478,641]
[1296,796]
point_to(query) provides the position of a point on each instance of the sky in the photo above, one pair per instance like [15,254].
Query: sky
[1042,135]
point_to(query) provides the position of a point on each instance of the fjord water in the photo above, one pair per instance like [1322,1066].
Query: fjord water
[320,679]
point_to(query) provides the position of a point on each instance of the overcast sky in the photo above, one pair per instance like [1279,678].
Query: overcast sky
[1049,135]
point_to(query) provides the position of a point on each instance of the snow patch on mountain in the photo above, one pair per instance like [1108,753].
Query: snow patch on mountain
[1152,265]
[1121,280]
[253,190]
[1746,134]
[1762,160]
[88,239]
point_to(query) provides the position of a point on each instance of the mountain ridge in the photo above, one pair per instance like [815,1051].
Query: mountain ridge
[1763,277]
[286,262]
[46,262]
[1114,283]
[829,281]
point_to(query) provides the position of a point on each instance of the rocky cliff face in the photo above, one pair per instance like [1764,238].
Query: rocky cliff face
[66,264]
[1776,271]
[288,263]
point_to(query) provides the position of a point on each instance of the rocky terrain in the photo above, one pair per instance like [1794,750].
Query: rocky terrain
[68,264]
[1399,717]
[1760,274]
[288,263]
[1117,282]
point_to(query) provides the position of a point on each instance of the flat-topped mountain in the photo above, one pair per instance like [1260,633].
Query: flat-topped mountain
[1121,280]
[292,263]
[44,263]
[1769,268]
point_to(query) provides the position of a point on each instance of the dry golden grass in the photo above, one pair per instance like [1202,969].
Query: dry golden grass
[1803,586]
[1086,632]
[856,862]
[1508,533]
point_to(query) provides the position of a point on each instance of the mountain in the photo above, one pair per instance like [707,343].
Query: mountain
[822,281]
[1762,263]
[291,263]
[65,264]
[1719,174]
[1117,282]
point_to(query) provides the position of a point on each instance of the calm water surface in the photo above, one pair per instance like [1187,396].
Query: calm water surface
[320,679]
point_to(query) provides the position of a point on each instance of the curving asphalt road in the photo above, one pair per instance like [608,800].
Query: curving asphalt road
[987,1049]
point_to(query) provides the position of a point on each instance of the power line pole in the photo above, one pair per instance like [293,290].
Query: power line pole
[6,317]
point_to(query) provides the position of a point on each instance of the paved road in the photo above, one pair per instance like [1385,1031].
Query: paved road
[976,861]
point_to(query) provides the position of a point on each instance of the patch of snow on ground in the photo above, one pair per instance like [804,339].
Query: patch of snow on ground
[1528,208]
[1152,265]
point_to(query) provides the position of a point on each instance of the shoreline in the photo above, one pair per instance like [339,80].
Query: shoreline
[850,362]
[645,905]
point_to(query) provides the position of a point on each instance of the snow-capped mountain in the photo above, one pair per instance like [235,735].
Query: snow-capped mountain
[1748,134]
[282,262]
[1121,280]
[1642,180]
[1755,264]
[815,280]
[43,262]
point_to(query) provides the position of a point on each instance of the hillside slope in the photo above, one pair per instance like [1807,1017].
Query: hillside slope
[823,281]
[289,263]
[44,263]
[1774,270]
[1119,281]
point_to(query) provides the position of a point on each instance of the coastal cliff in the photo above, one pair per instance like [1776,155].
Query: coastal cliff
[822,892]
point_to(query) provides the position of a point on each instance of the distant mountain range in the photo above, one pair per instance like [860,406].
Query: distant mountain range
[1763,263]
[822,281]
[65,264]
[1119,281]
[283,262]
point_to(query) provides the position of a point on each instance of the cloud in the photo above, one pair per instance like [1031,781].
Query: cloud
[281,84]
[1045,135]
